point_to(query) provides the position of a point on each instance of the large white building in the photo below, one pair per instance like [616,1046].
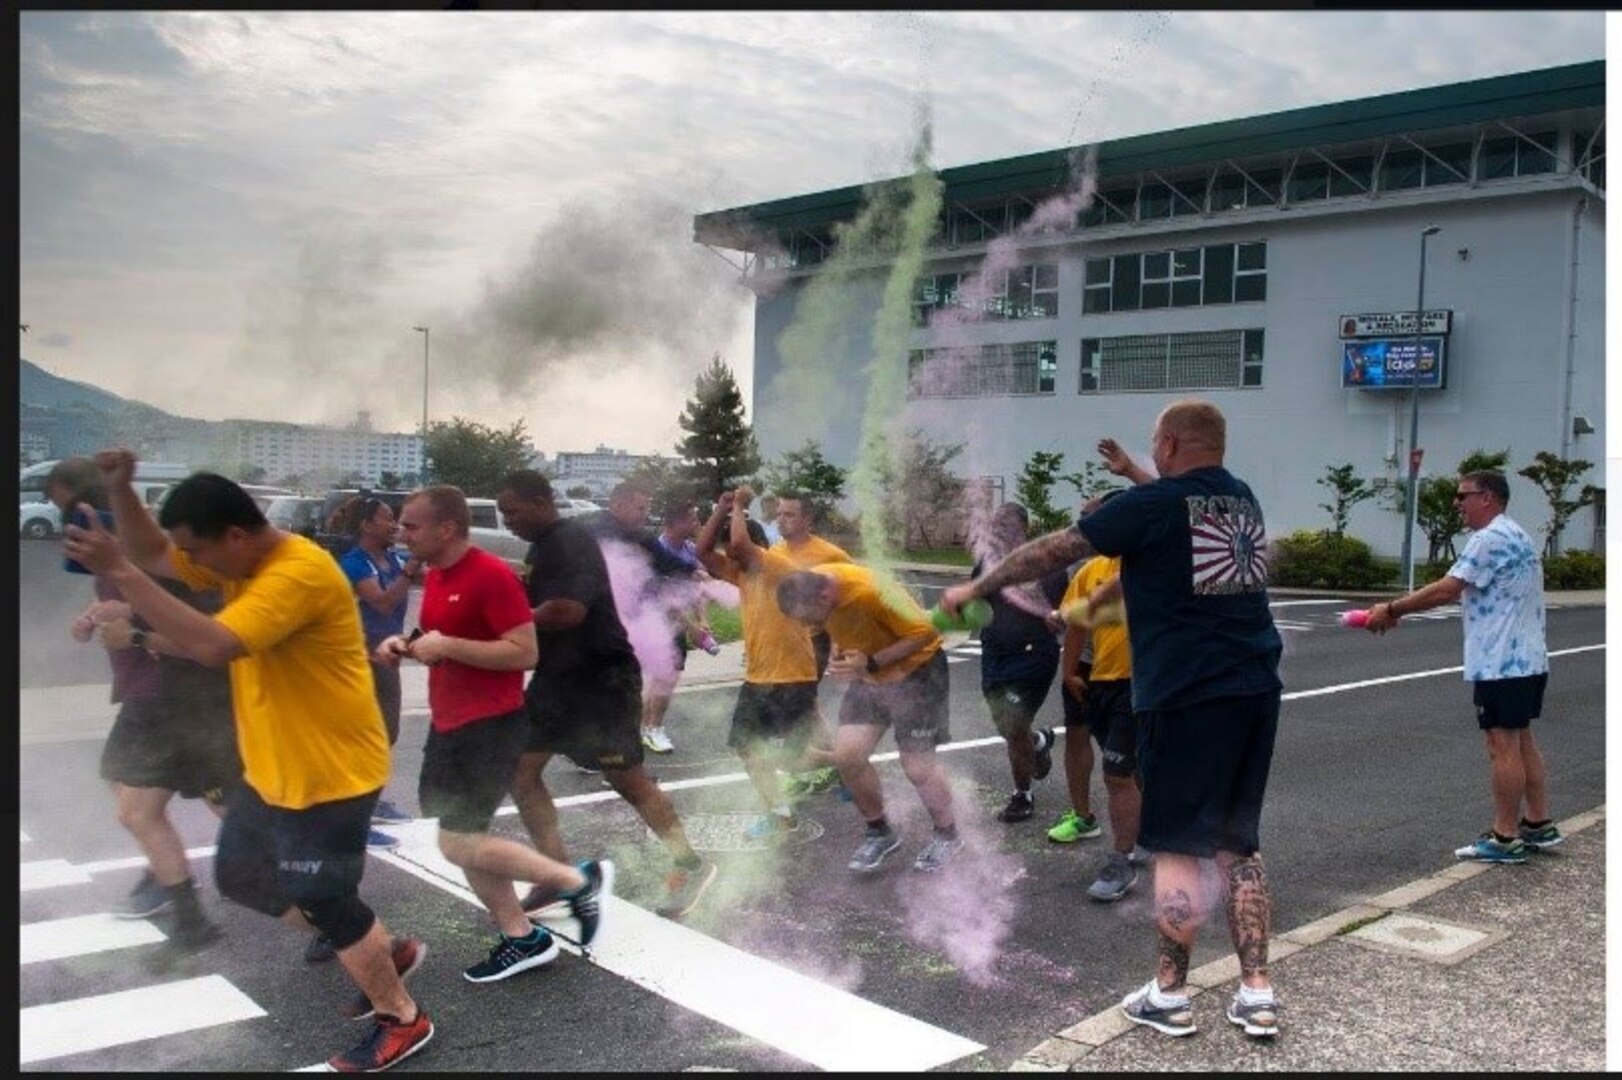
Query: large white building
[1269,264]
[599,469]
[331,453]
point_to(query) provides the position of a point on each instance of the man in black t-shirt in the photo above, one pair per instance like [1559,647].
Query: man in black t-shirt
[1019,655]
[585,698]
[1205,691]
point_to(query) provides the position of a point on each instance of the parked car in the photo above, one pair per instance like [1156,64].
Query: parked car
[338,543]
[39,520]
[295,513]
[568,507]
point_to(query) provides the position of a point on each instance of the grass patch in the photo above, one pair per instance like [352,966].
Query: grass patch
[1358,924]
[725,623]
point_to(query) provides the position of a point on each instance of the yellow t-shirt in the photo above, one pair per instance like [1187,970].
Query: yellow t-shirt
[811,552]
[308,725]
[1112,656]
[868,619]
[776,648]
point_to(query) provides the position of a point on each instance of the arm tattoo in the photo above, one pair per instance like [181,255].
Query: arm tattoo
[1034,558]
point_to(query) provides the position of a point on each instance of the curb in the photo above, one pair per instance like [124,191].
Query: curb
[1062,1050]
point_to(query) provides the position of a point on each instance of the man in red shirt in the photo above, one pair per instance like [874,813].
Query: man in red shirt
[477,637]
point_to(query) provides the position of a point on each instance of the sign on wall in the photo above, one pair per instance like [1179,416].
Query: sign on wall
[1395,323]
[1391,363]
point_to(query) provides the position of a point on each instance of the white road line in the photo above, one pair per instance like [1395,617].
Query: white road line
[794,1013]
[59,939]
[1302,603]
[95,1023]
[48,874]
[1365,683]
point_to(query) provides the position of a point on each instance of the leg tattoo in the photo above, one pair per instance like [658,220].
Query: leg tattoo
[1176,918]
[1250,910]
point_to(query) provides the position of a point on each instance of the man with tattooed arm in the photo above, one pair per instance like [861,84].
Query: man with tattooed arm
[1205,691]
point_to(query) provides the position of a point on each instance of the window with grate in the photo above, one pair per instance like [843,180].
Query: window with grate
[1027,367]
[1201,360]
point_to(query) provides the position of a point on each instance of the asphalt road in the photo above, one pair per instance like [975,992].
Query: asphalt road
[792,963]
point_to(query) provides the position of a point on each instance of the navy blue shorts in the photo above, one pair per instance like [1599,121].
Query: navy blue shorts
[466,772]
[917,706]
[1204,770]
[1510,703]
[269,857]
[1107,711]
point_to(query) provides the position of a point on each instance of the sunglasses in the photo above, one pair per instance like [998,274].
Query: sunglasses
[1460,496]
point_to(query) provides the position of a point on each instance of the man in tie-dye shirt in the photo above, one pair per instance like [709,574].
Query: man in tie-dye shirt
[1499,580]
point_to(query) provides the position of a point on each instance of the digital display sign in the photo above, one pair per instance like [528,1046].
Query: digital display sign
[1391,363]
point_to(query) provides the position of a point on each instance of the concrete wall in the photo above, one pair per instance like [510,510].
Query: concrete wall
[1506,358]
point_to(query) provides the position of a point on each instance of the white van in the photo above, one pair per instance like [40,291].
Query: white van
[489,533]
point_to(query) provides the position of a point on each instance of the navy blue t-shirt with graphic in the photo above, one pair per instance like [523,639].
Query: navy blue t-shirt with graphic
[1193,554]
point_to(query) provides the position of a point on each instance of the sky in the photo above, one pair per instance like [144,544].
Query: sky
[246,214]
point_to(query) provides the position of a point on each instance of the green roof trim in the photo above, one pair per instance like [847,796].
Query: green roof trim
[1501,97]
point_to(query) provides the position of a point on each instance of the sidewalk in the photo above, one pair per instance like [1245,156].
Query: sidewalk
[1474,969]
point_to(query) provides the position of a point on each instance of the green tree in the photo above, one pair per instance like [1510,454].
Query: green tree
[806,471]
[1034,488]
[474,457]
[1346,490]
[1554,476]
[922,494]
[389,481]
[1435,513]
[719,451]
[579,491]
[1093,479]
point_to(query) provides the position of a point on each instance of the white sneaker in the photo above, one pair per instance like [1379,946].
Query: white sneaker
[657,741]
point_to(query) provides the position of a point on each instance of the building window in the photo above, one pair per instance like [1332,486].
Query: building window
[1265,187]
[1186,277]
[1447,164]
[1188,197]
[1351,176]
[934,292]
[1028,292]
[1402,169]
[1203,360]
[1309,180]
[1154,202]
[1112,207]
[1250,271]
[1228,191]
[1095,292]
[1588,148]
[1029,367]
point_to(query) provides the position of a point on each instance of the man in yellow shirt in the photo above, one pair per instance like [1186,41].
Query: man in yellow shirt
[884,645]
[777,704]
[795,515]
[315,753]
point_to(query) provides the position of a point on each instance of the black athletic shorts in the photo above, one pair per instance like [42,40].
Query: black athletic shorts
[1204,770]
[592,717]
[1014,705]
[776,711]
[466,772]
[269,858]
[160,743]
[917,706]
[1510,703]
[1107,712]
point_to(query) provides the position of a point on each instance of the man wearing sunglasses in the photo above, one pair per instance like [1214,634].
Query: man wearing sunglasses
[1499,577]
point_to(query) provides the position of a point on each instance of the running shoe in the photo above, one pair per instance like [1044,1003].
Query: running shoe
[1045,738]
[1115,880]
[874,847]
[378,840]
[936,853]
[1176,1017]
[1020,808]
[771,827]
[146,898]
[1488,848]
[386,813]
[1072,826]
[657,741]
[586,905]
[684,887]
[390,1042]
[512,956]
[1542,838]
[1258,1018]
[408,955]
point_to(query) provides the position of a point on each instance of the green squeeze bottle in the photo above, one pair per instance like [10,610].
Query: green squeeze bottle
[972,616]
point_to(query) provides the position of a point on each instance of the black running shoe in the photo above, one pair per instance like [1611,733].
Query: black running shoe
[587,904]
[1020,807]
[1044,753]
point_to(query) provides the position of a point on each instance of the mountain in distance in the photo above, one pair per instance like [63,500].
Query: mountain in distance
[38,387]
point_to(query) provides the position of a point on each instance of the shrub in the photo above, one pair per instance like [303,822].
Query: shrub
[1574,570]
[1309,559]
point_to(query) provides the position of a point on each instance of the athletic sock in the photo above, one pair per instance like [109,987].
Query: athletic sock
[1162,999]
[534,937]
[1248,996]
[1500,837]
[1525,824]
[880,824]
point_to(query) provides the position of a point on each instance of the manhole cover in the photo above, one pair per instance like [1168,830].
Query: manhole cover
[725,832]
[1430,939]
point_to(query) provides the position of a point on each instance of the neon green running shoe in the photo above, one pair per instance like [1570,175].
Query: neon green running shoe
[1073,826]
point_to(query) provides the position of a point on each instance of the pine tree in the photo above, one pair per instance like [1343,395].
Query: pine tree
[719,451]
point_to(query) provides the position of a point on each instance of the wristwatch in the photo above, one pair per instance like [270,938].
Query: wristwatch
[872,665]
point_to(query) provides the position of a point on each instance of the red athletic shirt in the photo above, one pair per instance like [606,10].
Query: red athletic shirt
[479,598]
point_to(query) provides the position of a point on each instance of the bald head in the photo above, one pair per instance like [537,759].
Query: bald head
[1189,434]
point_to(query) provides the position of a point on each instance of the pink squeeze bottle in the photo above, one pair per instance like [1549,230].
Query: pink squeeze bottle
[1355,619]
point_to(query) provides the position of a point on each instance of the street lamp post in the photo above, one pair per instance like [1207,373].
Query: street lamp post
[1413,416]
[423,452]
